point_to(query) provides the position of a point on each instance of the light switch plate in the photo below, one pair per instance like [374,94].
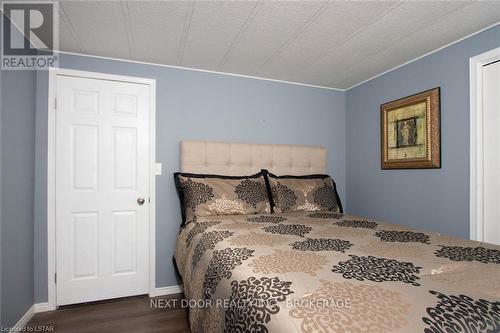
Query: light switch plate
[157,169]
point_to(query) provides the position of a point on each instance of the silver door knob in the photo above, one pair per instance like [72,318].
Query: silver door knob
[141,201]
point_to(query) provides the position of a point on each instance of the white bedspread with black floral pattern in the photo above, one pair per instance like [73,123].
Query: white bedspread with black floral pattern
[325,272]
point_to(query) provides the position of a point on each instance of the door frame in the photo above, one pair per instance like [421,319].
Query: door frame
[476,191]
[51,177]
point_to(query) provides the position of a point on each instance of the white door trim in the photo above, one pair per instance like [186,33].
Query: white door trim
[476,141]
[51,223]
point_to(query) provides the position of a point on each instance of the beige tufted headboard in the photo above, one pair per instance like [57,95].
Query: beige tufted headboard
[233,159]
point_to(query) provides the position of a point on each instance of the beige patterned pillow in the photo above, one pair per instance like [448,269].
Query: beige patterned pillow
[205,195]
[304,193]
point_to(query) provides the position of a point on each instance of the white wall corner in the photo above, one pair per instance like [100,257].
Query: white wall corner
[170,290]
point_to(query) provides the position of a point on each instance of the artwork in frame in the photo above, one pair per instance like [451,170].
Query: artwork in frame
[411,132]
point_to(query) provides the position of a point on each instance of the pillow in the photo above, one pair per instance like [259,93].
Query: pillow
[303,193]
[205,195]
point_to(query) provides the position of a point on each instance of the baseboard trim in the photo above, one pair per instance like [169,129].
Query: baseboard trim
[166,291]
[43,307]
[19,326]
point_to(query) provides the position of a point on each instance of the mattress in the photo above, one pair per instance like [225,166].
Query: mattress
[328,272]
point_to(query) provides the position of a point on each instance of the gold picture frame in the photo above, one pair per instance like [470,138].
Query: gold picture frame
[411,132]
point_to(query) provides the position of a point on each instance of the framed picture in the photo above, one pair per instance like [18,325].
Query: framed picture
[411,133]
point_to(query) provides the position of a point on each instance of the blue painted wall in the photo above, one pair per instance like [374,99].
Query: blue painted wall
[17,170]
[17,178]
[204,106]
[426,199]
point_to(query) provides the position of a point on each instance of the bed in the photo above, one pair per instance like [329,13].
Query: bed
[325,271]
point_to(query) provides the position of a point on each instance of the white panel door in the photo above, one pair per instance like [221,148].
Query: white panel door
[491,105]
[102,169]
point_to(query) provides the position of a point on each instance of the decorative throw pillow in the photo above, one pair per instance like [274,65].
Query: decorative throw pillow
[205,195]
[303,193]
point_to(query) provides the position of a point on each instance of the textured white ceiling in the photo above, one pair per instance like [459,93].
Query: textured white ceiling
[328,43]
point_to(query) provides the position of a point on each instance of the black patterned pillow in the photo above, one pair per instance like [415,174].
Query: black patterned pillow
[205,195]
[303,193]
